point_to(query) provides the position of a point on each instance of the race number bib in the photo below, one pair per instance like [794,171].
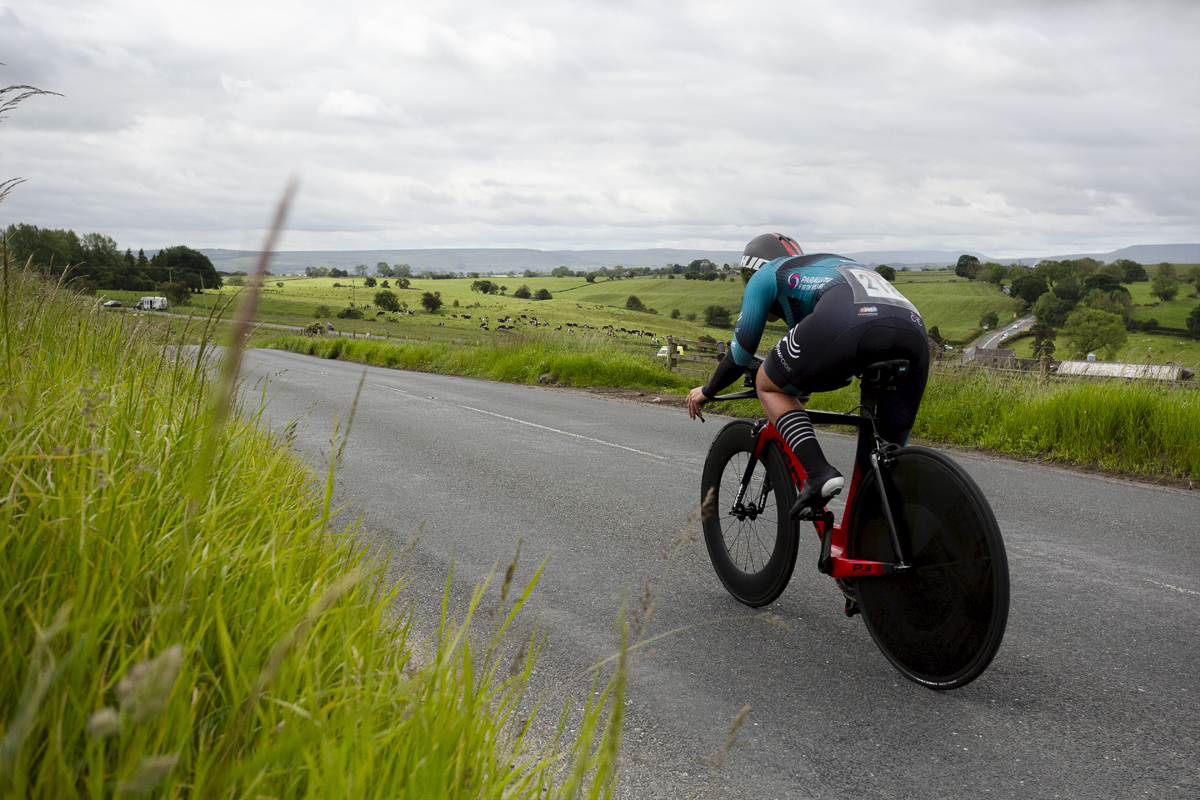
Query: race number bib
[871,287]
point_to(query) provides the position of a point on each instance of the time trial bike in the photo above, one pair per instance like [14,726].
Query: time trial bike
[918,552]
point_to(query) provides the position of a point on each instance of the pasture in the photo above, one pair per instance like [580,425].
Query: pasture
[953,304]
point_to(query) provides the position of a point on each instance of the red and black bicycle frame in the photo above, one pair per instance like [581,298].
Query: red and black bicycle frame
[833,560]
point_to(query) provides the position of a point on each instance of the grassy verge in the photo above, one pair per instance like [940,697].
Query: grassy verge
[583,360]
[1135,427]
[180,616]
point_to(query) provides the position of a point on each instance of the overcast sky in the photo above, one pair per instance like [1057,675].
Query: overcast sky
[1014,128]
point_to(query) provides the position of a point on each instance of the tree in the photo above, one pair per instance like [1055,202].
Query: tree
[1166,269]
[1029,288]
[368,283]
[992,272]
[523,292]
[1051,309]
[383,270]
[360,270]
[1043,339]
[387,300]
[350,313]
[1193,322]
[1104,282]
[401,271]
[403,283]
[590,277]
[634,304]
[1164,287]
[1067,289]
[935,334]
[1089,330]
[887,272]
[338,273]
[989,320]
[1193,276]
[967,267]
[184,264]
[1050,271]
[690,316]
[674,313]
[542,294]
[178,293]
[560,272]
[529,274]
[431,301]
[717,316]
[1131,271]
[1116,302]
[485,287]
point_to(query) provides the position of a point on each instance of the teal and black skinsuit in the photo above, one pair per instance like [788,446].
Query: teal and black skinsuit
[841,316]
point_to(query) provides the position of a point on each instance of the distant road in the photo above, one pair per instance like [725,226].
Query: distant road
[1002,333]
[1095,692]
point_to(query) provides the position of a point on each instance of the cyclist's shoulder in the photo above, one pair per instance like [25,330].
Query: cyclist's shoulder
[815,262]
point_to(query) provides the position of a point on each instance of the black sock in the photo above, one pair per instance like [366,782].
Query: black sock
[797,430]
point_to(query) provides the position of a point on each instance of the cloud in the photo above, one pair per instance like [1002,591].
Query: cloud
[1008,128]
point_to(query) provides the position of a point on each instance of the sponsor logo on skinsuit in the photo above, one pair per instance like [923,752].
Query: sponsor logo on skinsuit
[795,280]
[917,319]
[867,310]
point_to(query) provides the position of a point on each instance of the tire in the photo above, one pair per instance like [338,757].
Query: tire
[753,557]
[941,622]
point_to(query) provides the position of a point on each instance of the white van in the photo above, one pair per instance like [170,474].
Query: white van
[152,304]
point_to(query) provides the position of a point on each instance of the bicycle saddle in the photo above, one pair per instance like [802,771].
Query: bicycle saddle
[885,374]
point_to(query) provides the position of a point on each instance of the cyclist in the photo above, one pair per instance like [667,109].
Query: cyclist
[841,317]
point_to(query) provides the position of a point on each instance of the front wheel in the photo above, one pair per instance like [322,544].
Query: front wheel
[940,622]
[752,542]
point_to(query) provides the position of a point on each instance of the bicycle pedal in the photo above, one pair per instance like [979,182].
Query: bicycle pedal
[852,607]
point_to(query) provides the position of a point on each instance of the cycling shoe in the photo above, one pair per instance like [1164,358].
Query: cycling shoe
[817,491]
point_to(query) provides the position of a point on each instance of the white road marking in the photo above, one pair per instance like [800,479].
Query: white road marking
[565,433]
[1176,588]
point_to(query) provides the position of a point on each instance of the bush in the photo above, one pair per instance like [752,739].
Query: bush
[717,316]
[387,300]
[674,313]
[1193,322]
[321,311]
[350,313]
[235,280]
[369,283]
[543,294]
[590,278]
[523,292]
[1164,287]
[632,303]
[177,293]
[886,272]
[691,316]
[706,338]
[431,301]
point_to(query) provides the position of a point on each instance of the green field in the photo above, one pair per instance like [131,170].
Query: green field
[1172,314]
[1153,348]
[952,304]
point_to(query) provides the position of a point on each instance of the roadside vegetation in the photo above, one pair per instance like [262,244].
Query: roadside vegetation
[182,614]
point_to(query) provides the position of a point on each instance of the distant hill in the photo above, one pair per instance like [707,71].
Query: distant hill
[502,260]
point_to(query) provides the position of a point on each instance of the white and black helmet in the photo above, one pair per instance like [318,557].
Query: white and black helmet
[768,247]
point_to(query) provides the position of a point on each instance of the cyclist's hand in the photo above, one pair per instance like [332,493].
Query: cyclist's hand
[695,402]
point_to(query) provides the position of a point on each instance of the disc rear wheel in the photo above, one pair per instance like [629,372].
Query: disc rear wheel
[941,621]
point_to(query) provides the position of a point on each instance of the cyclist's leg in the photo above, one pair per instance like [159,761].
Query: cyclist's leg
[814,356]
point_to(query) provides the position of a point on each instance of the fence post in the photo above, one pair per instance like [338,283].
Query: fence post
[671,361]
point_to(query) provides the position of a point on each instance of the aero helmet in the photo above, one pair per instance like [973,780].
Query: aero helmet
[768,247]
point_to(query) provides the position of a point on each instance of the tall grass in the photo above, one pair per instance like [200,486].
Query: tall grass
[583,360]
[232,642]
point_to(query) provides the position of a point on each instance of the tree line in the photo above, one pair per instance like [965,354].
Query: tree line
[1087,300]
[93,262]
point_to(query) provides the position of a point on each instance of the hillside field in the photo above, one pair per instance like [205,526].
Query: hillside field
[953,304]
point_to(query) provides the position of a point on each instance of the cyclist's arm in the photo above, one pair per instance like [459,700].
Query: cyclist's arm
[756,303]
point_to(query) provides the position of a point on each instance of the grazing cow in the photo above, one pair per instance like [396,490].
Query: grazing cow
[559,328]
[379,313]
[466,316]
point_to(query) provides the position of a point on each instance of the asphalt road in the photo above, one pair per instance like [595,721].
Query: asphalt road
[991,341]
[1094,692]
